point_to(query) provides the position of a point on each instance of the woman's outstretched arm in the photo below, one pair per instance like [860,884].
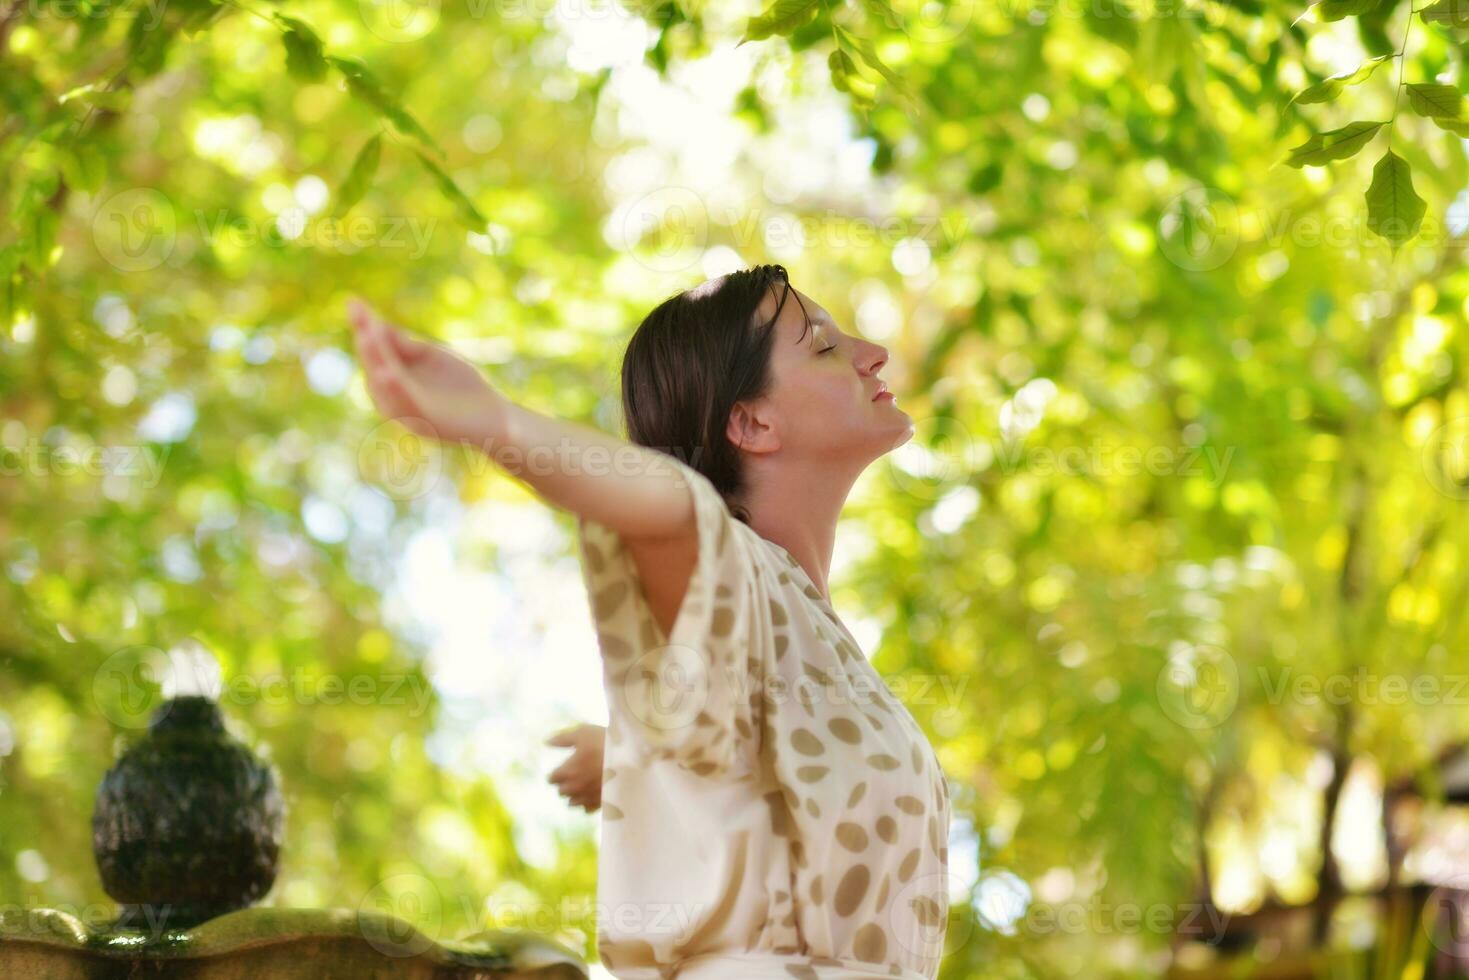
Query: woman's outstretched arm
[432,391]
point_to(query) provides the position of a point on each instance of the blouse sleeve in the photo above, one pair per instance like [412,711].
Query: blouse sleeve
[689,697]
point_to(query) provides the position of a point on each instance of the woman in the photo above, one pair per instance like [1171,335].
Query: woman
[769,808]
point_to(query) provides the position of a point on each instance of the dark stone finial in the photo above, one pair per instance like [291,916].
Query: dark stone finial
[188,821]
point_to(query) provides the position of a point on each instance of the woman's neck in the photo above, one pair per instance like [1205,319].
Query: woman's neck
[797,507]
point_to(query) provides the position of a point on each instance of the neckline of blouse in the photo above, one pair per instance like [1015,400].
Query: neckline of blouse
[790,560]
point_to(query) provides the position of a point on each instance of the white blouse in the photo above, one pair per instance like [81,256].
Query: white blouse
[770,809]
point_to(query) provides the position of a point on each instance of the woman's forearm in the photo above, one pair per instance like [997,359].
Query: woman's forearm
[632,489]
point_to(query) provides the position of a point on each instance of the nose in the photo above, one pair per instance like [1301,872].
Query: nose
[874,356]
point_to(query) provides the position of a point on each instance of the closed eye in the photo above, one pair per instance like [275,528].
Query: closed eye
[824,350]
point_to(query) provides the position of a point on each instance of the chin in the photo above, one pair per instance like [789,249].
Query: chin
[896,435]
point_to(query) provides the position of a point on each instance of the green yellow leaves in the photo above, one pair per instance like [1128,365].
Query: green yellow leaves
[1436,101]
[359,178]
[1331,10]
[307,61]
[1394,210]
[465,209]
[1455,13]
[305,54]
[782,17]
[1444,104]
[1335,144]
[1330,88]
[365,87]
[786,17]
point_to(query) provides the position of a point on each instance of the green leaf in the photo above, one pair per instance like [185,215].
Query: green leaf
[84,168]
[359,178]
[305,54]
[1436,101]
[842,68]
[1330,10]
[782,17]
[41,240]
[1394,210]
[1329,88]
[869,56]
[1335,144]
[468,214]
[1459,127]
[98,94]
[885,13]
[1452,12]
[366,88]
[148,43]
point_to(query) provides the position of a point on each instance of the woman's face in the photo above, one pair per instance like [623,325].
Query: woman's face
[820,403]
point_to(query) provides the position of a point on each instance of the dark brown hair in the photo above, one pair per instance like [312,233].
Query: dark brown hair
[691,359]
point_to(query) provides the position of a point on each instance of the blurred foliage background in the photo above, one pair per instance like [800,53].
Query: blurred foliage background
[1183,513]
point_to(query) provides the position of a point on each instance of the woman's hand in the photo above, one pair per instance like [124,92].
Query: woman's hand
[579,778]
[427,388]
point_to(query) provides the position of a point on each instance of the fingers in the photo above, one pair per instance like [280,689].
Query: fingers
[363,317]
[387,380]
[565,737]
[407,349]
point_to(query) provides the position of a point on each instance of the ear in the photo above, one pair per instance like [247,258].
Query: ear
[751,427]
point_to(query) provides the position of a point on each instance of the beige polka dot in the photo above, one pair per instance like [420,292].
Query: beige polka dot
[887,829]
[778,614]
[723,622]
[845,729]
[816,896]
[851,836]
[882,893]
[802,972]
[851,889]
[805,742]
[605,602]
[595,561]
[811,774]
[882,761]
[614,647]
[856,796]
[780,823]
[909,865]
[927,911]
[870,944]
[909,804]
[812,808]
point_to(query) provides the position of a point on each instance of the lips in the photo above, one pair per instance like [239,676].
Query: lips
[882,389]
